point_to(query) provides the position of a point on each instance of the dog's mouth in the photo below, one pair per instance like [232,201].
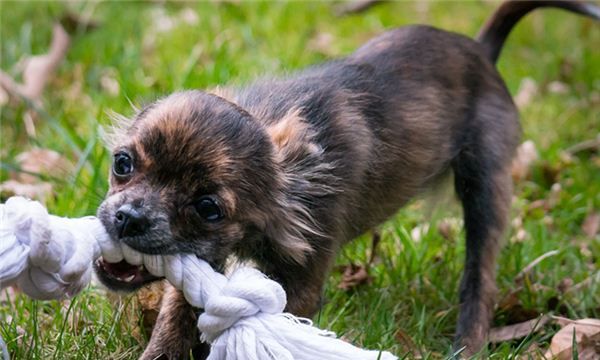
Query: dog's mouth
[123,276]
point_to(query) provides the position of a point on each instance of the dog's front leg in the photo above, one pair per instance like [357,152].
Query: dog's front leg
[175,335]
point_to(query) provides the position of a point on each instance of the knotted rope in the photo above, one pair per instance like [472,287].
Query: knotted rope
[50,257]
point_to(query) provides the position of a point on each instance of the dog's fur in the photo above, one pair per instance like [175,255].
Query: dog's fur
[301,165]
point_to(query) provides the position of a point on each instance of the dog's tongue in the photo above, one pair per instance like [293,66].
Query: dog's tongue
[121,269]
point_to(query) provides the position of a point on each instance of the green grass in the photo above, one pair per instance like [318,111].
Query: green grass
[414,287]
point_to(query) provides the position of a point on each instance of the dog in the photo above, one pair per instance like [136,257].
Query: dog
[285,171]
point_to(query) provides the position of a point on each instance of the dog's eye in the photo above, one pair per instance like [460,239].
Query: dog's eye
[208,209]
[122,164]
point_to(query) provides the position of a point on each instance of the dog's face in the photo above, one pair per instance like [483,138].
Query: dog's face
[193,173]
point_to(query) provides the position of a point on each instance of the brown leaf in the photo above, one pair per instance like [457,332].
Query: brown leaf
[517,331]
[40,191]
[39,68]
[587,336]
[43,162]
[591,224]
[525,157]
[408,344]
[353,276]
[150,298]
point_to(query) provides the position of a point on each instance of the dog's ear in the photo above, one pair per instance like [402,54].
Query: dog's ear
[304,177]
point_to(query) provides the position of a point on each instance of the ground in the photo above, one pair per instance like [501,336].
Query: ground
[140,51]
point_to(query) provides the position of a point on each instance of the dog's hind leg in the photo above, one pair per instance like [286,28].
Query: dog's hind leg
[484,186]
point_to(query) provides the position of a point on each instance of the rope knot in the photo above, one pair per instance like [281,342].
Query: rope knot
[247,293]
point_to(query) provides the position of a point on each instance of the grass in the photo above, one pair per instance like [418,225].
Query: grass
[414,287]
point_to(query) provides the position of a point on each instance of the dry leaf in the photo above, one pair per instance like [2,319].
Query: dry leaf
[40,68]
[587,339]
[43,162]
[150,298]
[353,276]
[591,224]
[40,191]
[408,344]
[525,157]
[527,91]
[517,331]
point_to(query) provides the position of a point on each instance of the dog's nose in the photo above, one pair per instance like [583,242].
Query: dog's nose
[130,221]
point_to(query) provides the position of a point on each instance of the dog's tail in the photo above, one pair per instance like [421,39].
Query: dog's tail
[496,30]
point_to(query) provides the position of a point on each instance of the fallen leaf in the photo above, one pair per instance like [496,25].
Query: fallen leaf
[517,331]
[150,298]
[353,276]
[40,191]
[37,71]
[525,157]
[40,68]
[408,345]
[40,162]
[585,333]
[591,224]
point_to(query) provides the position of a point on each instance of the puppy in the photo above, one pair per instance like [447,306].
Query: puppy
[286,170]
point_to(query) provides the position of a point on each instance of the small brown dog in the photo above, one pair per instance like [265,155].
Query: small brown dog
[285,171]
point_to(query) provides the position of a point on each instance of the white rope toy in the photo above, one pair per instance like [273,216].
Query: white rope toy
[50,257]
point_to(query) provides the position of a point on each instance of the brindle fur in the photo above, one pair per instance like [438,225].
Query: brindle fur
[303,164]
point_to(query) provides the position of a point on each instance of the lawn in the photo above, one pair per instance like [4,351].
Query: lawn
[141,51]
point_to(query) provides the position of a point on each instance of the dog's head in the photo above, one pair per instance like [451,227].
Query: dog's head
[195,173]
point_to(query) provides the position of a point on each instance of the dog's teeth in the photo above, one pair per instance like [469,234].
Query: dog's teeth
[129,278]
[131,256]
